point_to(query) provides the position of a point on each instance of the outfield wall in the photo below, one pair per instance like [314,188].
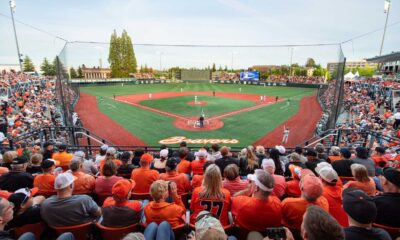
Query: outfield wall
[196,75]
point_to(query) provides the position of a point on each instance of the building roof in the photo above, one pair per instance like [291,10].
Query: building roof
[394,56]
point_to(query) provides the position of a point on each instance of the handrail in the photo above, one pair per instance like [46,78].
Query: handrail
[87,135]
[319,140]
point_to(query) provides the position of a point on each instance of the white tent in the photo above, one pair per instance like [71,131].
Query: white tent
[349,75]
[357,74]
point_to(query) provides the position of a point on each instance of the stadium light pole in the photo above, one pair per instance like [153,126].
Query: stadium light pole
[291,59]
[160,56]
[384,29]
[233,53]
[12,9]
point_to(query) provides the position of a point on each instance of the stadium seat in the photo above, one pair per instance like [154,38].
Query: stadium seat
[108,233]
[394,232]
[141,196]
[185,199]
[346,179]
[101,199]
[37,229]
[80,232]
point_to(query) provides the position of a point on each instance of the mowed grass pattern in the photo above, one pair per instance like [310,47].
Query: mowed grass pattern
[215,105]
[151,127]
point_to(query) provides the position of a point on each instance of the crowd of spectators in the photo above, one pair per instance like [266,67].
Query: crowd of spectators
[144,76]
[296,79]
[345,190]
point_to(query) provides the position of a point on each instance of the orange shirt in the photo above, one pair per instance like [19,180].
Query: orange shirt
[181,180]
[268,212]
[63,158]
[334,158]
[197,180]
[102,162]
[45,183]
[5,194]
[333,195]
[184,167]
[84,183]
[197,166]
[368,187]
[293,188]
[132,204]
[173,213]
[3,170]
[144,177]
[378,159]
[218,207]
[293,210]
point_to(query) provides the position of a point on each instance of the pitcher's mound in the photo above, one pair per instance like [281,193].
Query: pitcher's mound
[190,125]
[197,103]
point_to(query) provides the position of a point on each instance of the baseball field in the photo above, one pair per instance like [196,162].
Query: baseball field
[234,115]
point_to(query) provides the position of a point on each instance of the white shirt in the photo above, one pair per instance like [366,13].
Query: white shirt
[397,116]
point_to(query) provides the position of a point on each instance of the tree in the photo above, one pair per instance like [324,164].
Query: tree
[121,56]
[28,65]
[310,62]
[213,68]
[47,68]
[73,73]
[226,68]
[220,68]
[80,73]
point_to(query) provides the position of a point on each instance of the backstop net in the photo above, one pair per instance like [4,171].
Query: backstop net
[286,65]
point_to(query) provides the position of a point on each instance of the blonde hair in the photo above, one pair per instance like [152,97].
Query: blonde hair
[251,159]
[36,158]
[231,172]
[260,150]
[9,156]
[158,189]
[212,183]
[360,172]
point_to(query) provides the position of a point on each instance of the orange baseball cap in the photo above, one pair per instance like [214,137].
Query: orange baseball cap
[311,186]
[146,158]
[122,188]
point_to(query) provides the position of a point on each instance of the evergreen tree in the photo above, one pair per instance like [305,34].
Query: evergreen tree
[226,68]
[220,68]
[113,56]
[310,62]
[73,73]
[80,73]
[28,65]
[213,68]
[121,56]
[47,68]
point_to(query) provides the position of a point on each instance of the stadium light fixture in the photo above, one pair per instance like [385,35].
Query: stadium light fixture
[12,10]
[386,10]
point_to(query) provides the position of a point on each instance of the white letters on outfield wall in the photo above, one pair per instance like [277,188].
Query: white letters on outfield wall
[179,139]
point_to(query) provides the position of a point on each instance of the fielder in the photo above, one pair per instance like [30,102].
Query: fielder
[285,134]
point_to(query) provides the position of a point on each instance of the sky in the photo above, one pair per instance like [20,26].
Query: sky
[202,22]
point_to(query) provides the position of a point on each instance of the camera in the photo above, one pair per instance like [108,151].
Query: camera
[276,233]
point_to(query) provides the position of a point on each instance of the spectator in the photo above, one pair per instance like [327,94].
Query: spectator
[215,153]
[248,164]
[260,154]
[104,184]
[378,157]
[8,158]
[101,155]
[312,160]
[342,167]
[232,181]
[48,150]
[280,183]
[45,182]
[311,194]
[294,159]
[362,181]
[293,186]
[256,200]
[34,165]
[62,156]
[299,150]
[362,158]
[321,155]
[137,154]
[118,210]
[181,180]
[279,166]
[226,159]
[334,154]
[18,177]
[209,227]
[36,149]
[184,164]
[26,207]
[110,156]
[126,168]
[84,183]
[162,216]
[88,166]
[134,236]
[332,192]
[282,155]
[144,176]
[362,212]
[66,209]
[211,196]
[197,165]
[387,204]
[159,163]
[197,180]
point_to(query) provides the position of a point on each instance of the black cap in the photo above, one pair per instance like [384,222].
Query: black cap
[20,160]
[172,163]
[380,150]
[345,152]
[359,206]
[311,152]
[46,164]
[48,143]
[392,175]
[362,152]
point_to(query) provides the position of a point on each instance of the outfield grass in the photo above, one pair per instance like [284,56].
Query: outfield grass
[152,127]
[214,106]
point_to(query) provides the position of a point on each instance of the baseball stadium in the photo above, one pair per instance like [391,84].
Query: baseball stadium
[219,123]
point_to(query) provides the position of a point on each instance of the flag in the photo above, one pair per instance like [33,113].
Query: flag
[387,4]
[13,5]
